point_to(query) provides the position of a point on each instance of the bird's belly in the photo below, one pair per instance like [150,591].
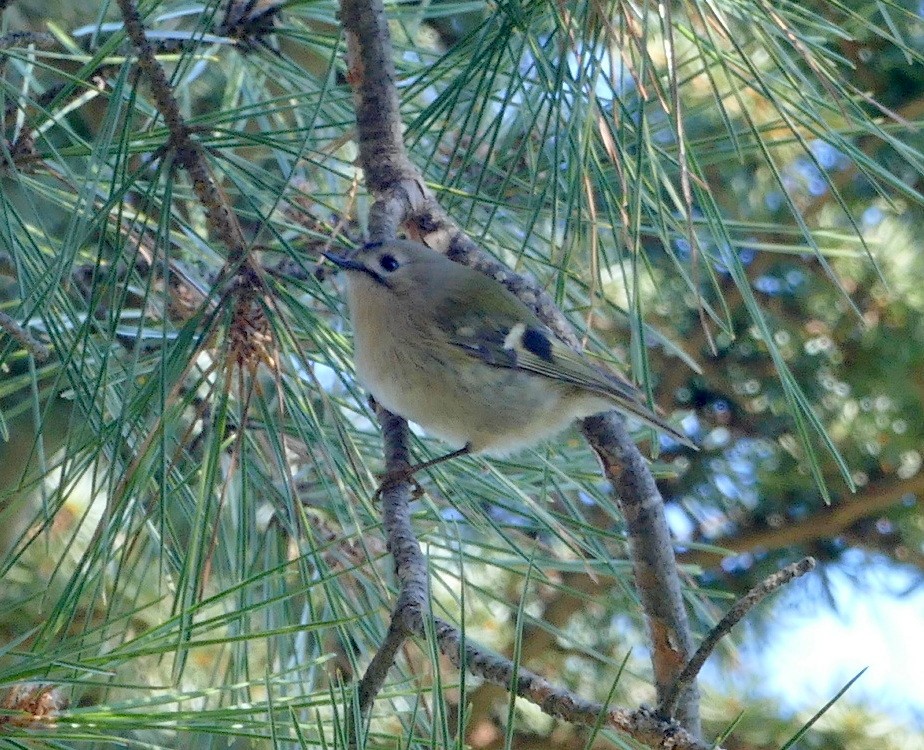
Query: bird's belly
[407,386]
[494,410]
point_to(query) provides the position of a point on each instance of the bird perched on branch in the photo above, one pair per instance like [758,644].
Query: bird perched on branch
[453,350]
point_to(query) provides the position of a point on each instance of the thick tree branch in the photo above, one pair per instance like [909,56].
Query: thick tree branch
[402,198]
[652,553]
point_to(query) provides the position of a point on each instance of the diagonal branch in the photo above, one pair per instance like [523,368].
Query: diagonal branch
[218,211]
[402,198]
[18,332]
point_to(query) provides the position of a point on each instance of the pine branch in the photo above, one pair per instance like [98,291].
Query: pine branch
[402,198]
[221,218]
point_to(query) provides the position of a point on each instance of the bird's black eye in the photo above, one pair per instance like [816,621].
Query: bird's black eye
[389,263]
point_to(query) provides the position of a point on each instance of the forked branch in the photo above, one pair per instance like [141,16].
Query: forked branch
[411,617]
[744,605]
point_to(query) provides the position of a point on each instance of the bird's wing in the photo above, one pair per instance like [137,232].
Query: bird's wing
[513,337]
[499,329]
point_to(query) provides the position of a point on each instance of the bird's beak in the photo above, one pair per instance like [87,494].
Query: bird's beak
[347,264]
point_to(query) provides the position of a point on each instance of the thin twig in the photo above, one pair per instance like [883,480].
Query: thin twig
[410,569]
[733,617]
[372,680]
[24,38]
[250,332]
[642,724]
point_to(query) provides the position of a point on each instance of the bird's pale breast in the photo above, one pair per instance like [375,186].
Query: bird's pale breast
[451,394]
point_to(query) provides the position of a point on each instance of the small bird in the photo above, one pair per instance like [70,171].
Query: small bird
[453,350]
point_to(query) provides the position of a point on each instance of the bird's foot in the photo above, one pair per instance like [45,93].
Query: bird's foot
[395,477]
[406,474]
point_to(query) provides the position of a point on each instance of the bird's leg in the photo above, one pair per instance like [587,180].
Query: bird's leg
[439,459]
[402,475]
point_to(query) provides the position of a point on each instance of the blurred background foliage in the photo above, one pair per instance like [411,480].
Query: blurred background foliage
[725,198]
